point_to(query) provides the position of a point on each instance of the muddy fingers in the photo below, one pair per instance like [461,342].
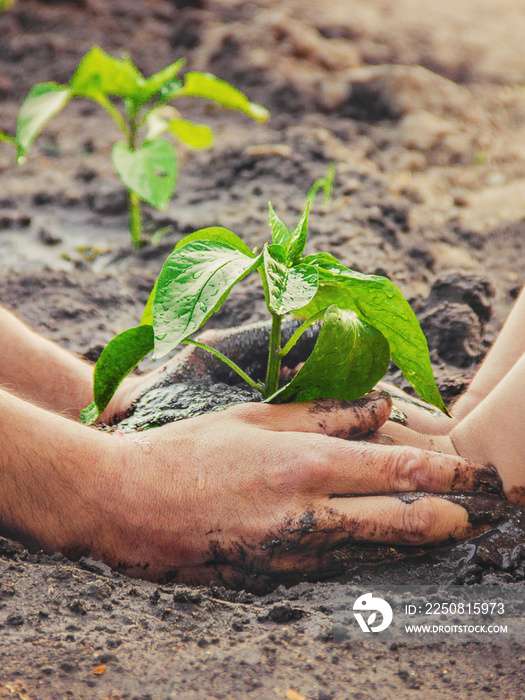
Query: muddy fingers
[342,419]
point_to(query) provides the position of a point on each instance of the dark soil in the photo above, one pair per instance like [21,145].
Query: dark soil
[416,105]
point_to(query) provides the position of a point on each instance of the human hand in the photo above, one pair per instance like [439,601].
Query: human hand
[258,493]
[421,416]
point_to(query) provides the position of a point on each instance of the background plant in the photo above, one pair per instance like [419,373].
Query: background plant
[144,160]
[365,318]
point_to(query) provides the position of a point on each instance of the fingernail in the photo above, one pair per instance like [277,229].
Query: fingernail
[478,479]
[377,395]
[482,509]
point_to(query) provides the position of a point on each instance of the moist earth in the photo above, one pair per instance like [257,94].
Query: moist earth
[419,106]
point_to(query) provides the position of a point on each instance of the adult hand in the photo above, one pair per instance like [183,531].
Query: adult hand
[491,433]
[259,493]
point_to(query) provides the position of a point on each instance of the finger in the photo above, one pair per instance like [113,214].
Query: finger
[418,415]
[394,434]
[343,419]
[333,467]
[396,521]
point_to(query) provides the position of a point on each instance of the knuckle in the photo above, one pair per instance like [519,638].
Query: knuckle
[253,413]
[408,469]
[315,459]
[417,521]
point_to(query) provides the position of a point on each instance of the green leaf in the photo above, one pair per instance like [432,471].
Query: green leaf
[147,314]
[120,356]
[219,235]
[289,288]
[193,283]
[198,136]
[150,171]
[348,359]
[209,87]
[162,79]
[323,183]
[379,302]
[99,73]
[280,234]
[298,236]
[294,241]
[43,101]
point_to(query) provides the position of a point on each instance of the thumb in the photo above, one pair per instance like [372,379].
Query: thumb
[343,419]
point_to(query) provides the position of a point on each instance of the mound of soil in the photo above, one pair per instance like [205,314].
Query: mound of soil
[415,103]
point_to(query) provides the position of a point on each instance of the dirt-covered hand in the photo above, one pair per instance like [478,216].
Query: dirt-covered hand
[260,493]
[490,434]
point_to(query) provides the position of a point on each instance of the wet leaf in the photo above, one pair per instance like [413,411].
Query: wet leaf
[292,241]
[43,101]
[289,288]
[193,283]
[348,359]
[98,73]
[379,302]
[120,356]
[198,136]
[209,87]
[150,171]
[219,235]
[298,236]
[280,234]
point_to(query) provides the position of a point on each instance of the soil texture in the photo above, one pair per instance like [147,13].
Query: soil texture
[420,106]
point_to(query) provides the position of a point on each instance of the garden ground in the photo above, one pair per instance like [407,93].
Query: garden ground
[421,107]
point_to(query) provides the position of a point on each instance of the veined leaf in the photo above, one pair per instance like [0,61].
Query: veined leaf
[120,356]
[292,241]
[280,234]
[219,235]
[198,136]
[193,283]
[289,288]
[150,171]
[361,360]
[43,101]
[379,302]
[99,73]
[298,236]
[209,87]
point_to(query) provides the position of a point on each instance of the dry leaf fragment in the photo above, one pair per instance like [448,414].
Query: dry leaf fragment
[99,670]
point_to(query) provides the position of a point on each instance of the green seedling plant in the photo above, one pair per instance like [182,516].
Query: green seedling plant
[365,319]
[144,160]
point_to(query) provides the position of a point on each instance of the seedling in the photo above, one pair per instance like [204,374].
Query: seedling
[144,160]
[365,318]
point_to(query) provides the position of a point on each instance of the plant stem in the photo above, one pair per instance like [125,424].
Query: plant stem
[134,202]
[298,333]
[227,361]
[135,219]
[274,358]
